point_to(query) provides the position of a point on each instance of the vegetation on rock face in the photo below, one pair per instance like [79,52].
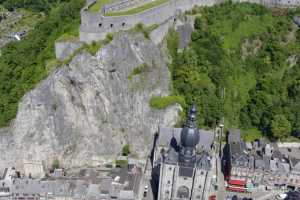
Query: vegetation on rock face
[163,102]
[121,163]
[126,150]
[23,64]
[144,68]
[145,30]
[242,64]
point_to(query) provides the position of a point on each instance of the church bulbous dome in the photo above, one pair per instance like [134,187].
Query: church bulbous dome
[189,137]
[190,134]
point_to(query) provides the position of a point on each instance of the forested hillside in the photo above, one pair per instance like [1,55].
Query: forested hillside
[23,64]
[243,64]
[36,5]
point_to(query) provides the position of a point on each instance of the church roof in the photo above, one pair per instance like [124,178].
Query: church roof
[203,161]
[172,156]
[167,133]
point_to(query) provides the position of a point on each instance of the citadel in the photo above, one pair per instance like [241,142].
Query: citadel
[95,25]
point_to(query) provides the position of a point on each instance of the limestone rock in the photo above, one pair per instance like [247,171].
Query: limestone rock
[65,49]
[84,112]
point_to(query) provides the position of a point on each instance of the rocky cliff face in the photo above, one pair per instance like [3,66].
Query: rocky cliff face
[84,112]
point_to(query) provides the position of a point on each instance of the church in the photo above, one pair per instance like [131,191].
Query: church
[182,161]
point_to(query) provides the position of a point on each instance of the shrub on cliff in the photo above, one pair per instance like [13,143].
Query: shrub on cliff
[163,102]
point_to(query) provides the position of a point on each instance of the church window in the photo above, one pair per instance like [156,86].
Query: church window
[169,182]
[170,168]
[200,186]
[201,172]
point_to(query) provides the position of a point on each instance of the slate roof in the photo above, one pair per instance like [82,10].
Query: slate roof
[172,156]
[167,133]
[81,188]
[170,138]
[203,161]
[237,149]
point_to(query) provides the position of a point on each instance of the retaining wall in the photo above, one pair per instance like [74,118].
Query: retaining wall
[95,26]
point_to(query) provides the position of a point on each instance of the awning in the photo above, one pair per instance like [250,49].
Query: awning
[235,189]
[237,182]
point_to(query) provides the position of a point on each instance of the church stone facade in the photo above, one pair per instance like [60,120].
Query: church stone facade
[184,161]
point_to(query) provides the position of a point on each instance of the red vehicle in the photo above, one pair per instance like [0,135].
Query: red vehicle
[212,197]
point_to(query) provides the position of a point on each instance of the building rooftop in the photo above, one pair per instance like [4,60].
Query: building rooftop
[262,155]
[167,134]
[112,183]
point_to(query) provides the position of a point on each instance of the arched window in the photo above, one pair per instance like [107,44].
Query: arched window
[111,25]
[123,24]
[100,24]
[183,192]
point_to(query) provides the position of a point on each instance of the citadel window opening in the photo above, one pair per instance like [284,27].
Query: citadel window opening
[111,25]
[123,24]
[100,24]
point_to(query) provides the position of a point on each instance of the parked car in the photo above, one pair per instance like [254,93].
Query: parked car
[281,196]
[145,191]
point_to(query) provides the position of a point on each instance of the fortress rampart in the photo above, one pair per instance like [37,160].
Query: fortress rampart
[95,26]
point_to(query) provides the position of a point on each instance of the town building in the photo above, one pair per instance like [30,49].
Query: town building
[183,161]
[90,184]
[260,164]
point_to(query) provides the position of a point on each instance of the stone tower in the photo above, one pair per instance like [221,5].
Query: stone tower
[184,174]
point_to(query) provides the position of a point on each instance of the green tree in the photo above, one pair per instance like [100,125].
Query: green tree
[22,64]
[280,126]
[55,164]
[126,150]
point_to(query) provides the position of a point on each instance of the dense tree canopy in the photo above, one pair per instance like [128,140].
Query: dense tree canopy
[242,64]
[23,64]
[280,126]
[36,5]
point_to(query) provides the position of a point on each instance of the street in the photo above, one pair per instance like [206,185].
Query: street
[146,182]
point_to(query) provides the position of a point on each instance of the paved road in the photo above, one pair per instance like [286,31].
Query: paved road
[221,195]
[145,181]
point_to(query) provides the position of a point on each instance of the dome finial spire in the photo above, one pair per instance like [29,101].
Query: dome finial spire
[190,133]
[189,138]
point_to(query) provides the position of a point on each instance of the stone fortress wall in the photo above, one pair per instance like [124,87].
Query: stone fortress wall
[95,26]
[123,5]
